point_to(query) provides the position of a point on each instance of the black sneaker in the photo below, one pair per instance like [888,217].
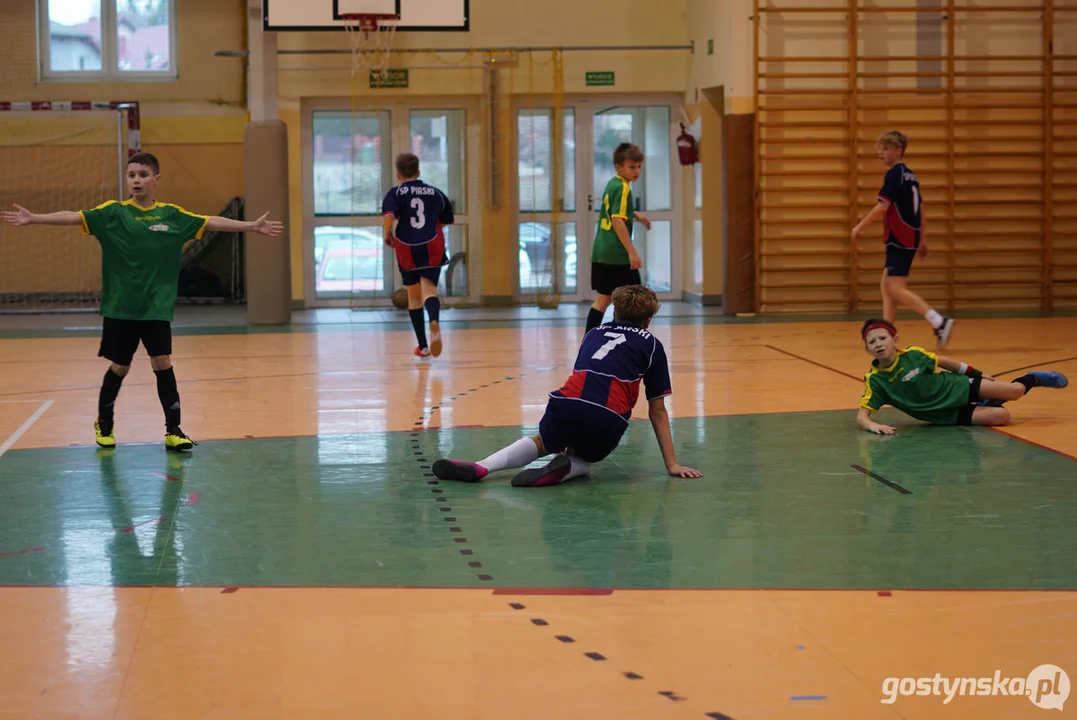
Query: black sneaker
[552,473]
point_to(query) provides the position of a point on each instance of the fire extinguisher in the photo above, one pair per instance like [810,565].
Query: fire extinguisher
[686,148]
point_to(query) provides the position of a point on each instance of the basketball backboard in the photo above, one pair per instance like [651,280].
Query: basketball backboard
[324,15]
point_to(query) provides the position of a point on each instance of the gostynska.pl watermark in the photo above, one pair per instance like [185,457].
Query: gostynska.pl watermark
[1047,687]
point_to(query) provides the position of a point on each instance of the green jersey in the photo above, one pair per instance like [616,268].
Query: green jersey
[616,203]
[140,256]
[913,385]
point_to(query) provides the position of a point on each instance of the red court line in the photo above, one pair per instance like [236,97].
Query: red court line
[21,552]
[564,591]
[553,591]
[1032,442]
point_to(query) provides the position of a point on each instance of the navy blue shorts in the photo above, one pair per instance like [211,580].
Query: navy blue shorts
[899,260]
[590,431]
[411,277]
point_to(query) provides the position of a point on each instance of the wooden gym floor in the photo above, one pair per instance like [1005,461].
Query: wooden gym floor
[303,563]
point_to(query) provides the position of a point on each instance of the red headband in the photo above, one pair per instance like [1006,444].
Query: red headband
[879,324]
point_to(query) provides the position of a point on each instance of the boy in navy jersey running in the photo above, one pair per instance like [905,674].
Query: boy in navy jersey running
[586,418]
[414,216]
[902,208]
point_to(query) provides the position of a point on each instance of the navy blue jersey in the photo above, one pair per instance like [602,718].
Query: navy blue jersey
[612,361]
[901,223]
[421,211]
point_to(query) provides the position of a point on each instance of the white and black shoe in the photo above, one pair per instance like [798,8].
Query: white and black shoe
[942,332]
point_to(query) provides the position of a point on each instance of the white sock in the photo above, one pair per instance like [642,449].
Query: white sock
[520,453]
[579,467]
[935,319]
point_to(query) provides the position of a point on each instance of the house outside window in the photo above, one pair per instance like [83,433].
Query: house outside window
[115,39]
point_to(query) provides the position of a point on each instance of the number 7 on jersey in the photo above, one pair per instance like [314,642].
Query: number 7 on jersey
[603,351]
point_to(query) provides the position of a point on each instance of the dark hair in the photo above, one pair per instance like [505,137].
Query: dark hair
[626,152]
[407,165]
[145,158]
[873,323]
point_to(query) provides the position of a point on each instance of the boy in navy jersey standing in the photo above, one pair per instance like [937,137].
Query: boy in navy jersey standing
[414,216]
[901,207]
[586,418]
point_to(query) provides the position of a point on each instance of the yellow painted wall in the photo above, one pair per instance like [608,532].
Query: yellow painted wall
[728,25]
[202,27]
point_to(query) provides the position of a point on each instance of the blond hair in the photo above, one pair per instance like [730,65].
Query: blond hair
[634,304]
[895,139]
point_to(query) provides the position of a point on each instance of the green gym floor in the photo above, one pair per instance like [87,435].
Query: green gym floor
[302,561]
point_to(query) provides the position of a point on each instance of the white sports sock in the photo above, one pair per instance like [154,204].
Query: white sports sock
[579,467]
[935,319]
[520,453]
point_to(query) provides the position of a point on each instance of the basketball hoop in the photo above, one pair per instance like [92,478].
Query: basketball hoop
[371,37]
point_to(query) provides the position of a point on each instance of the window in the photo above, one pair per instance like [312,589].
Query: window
[82,39]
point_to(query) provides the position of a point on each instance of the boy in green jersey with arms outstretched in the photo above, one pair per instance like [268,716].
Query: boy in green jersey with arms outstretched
[614,259]
[141,242]
[908,379]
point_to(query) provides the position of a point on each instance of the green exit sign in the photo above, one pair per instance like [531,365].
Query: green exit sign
[710,46]
[392,78]
[599,78]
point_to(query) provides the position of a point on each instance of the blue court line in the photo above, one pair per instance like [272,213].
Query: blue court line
[807,697]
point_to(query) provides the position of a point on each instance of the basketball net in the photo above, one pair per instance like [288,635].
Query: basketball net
[371,38]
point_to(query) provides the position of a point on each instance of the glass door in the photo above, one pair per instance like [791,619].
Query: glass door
[540,229]
[349,164]
[650,128]
[352,171]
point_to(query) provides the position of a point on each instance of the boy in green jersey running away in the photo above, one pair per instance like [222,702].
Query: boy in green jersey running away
[141,242]
[908,380]
[615,262]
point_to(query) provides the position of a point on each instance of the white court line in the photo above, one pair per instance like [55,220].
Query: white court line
[24,427]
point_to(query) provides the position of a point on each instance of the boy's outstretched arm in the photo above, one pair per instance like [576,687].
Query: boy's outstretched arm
[262,226]
[656,411]
[21,216]
[863,419]
[961,368]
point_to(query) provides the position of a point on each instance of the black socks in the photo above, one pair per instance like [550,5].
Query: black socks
[168,393]
[433,308]
[1029,381]
[419,323]
[106,401]
[594,319]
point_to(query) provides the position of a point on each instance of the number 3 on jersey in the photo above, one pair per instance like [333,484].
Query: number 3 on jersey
[420,213]
[603,351]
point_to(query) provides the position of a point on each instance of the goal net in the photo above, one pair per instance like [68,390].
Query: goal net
[58,156]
